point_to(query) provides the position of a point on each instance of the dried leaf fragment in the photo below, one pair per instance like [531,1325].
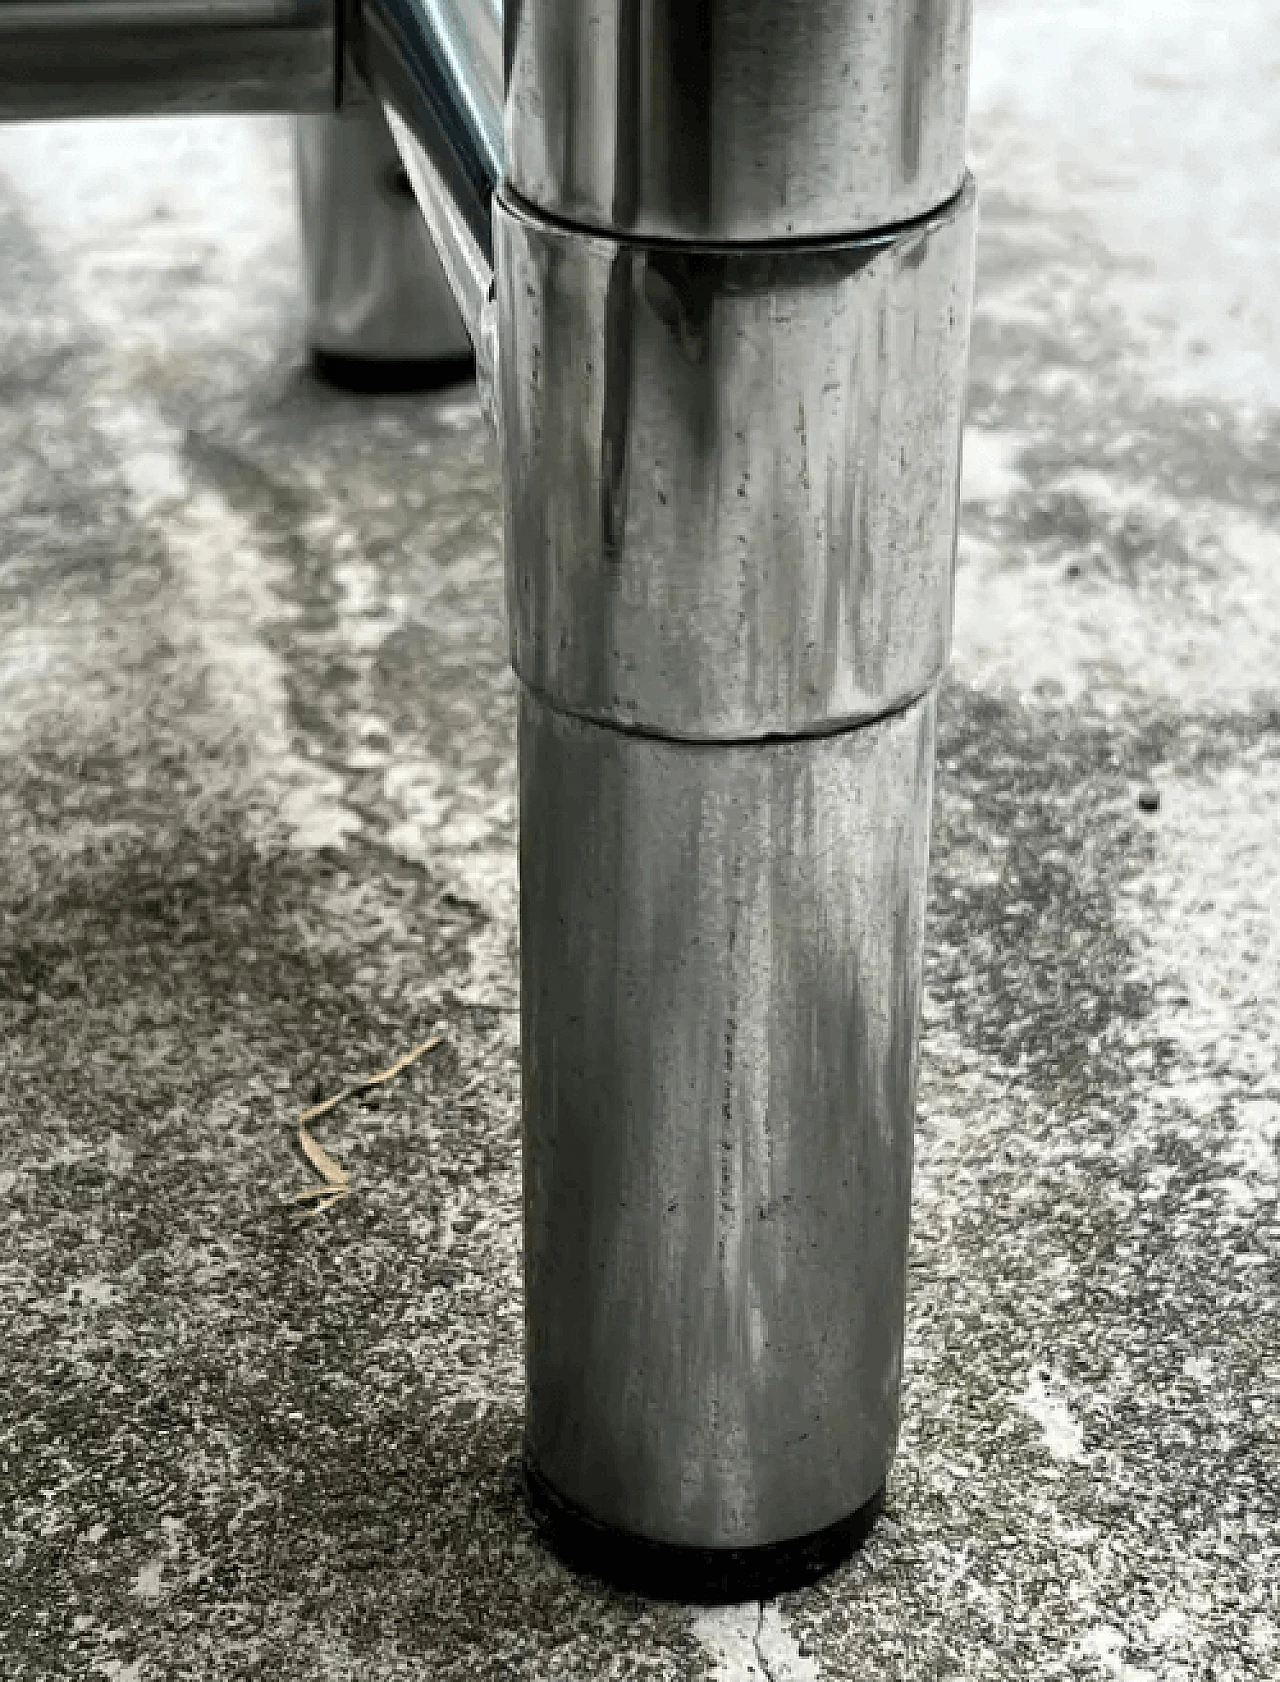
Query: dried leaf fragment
[380,1079]
[323,1202]
[332,1172]
[308,1192]
[337,1181]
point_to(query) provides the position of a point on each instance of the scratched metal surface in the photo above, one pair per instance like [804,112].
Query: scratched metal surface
[257,809]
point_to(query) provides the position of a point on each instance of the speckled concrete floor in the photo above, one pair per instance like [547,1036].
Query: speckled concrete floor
[257,805]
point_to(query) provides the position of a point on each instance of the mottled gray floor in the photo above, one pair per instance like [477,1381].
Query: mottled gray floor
[257,798]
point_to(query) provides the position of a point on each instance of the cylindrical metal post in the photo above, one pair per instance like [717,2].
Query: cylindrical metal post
[115,58]
[379,312]
[721,974]
[734,261]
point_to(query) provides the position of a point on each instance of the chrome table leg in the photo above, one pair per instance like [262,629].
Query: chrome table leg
[731,478]
[379,311]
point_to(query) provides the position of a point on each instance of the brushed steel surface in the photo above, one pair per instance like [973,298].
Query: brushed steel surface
[732,476]
[108,58]
[736,119]
[372,282]
[720,951]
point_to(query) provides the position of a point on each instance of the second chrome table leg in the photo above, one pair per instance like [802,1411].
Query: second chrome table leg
[379,312]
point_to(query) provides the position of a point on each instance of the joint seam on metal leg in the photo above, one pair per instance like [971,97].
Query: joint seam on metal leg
[771,738]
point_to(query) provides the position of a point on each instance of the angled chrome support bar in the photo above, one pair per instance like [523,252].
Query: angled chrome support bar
[436,68]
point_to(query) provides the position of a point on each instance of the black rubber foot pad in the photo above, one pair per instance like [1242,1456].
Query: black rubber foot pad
[665,1571]
[370,374]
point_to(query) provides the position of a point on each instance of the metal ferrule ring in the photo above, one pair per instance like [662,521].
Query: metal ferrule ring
[737,120]
[732,474]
